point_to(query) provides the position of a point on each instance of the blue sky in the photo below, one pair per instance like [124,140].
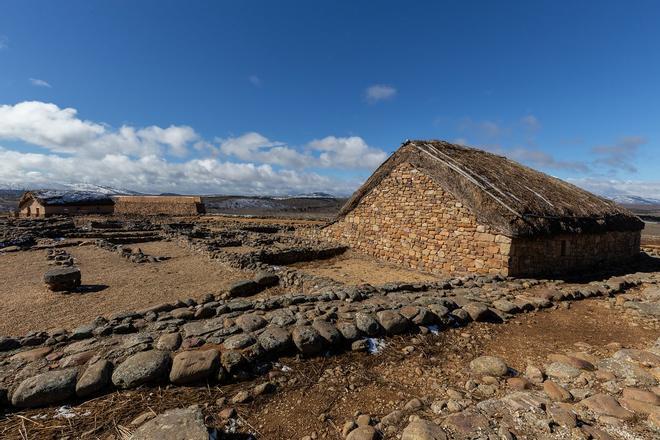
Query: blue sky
[293,96]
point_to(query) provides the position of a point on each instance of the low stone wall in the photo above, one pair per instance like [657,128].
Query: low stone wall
[565,254]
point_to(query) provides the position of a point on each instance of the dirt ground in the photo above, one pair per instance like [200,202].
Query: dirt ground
[354,268]
[26,304]
[322,393]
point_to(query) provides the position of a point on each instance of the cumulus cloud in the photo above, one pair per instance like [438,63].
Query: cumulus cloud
[78,150]
[156,174]
[347,152]
[60,130]
[40,83]
[379,92]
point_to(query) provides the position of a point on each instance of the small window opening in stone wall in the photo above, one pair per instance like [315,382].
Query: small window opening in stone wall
[563,248]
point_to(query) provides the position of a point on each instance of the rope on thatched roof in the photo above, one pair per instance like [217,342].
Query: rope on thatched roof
[471,178]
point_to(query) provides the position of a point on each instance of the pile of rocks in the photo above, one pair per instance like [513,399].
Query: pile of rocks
[60,257]
[135,256]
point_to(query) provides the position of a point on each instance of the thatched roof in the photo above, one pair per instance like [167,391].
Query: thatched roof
[513,199]
[159,199]
[52,197]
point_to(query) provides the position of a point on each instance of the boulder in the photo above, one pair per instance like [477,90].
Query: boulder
[169,341]
[244,288]
[194,366]
[275,340]
[327,331]
[95,377]
[604,404]
[45,389]
[362,433]
[62,279]
[144,367]
[250,322]
[175,424]
[307,339]
[367,324]
[393,322]
[266,279]
[423,430]
[489,366]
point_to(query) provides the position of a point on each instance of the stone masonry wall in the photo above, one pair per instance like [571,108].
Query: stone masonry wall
[410,220]
[572,253]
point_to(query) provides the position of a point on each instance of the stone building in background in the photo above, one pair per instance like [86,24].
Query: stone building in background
[45,203]
[151,205]
[446,208]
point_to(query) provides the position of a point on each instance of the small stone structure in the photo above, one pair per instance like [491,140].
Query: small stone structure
[45,203]
[440,207]
[150,205]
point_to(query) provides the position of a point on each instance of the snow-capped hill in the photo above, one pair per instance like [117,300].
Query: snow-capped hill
[629,199]
[90,187]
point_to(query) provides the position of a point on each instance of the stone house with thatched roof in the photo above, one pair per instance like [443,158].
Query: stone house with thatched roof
[45,203]
[446,208]
[151,205]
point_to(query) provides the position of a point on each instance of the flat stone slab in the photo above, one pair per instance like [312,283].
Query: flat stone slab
[45,389]
[176,424]
[194,366]
[202,328]
[62,279]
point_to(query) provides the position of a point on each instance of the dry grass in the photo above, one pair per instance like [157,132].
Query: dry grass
[130,286]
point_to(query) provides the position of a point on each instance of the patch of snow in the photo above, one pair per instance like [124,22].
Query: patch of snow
[64,412]
[434,329]
[376,345]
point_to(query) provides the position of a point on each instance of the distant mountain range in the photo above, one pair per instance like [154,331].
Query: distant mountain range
[89,187]
[626,199]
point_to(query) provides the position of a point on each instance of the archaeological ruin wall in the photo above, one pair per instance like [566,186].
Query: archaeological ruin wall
[145,205]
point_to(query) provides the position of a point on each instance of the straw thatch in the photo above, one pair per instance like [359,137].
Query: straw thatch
[511,198]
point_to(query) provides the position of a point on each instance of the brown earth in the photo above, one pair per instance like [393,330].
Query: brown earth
[26,304]
[322,393]
[354,268]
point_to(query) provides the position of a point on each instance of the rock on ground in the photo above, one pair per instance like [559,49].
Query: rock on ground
[194,366]
[62,279]
[94,379]
[144,367]
[45,388]
[490,366]
[175,424]
[423,430]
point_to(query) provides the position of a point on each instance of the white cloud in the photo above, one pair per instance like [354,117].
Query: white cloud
[4,42]
[60,130]
[39,83]
[618,187]
[155,174]
[255,80]
[79,150]
[379,92]
[329,152]
[347,152]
